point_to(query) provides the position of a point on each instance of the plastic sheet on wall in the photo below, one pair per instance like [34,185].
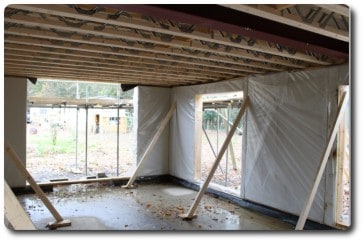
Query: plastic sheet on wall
[287,128]
[151,107]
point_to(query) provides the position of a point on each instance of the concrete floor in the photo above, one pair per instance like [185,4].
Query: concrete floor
[148,207]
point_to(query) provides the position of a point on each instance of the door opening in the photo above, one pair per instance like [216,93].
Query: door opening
[215,114]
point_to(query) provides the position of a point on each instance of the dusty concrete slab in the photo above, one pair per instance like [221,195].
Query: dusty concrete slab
[149,207]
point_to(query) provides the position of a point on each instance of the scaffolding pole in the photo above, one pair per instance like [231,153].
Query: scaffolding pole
[77,138]
[86,150]
[118,139]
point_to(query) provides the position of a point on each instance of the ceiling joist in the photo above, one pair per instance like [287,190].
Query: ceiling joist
[104,43]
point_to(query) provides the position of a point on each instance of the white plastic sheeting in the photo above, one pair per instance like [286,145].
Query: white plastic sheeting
[285,134]
[150,107]
[287,130]
[15,127]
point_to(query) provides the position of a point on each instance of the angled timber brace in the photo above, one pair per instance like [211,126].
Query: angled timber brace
[60,222]
[309,201]
[190,214]
[151,145]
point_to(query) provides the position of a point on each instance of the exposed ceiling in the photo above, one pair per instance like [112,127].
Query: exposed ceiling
[171,45]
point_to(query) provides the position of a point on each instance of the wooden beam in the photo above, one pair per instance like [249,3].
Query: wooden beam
[106,50]
[14,212]
[336,8]
[158,133]
[280,7]
[190,214]
[108,64]
[60,222]
[60,10]
[135,60]
[287,21]
[309,201]
[121,72]
[25,72]
[80,101]
[113,43]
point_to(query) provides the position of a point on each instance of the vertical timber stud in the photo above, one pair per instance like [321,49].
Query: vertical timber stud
[151,145]
[305,212]
[190,214]
[60,222]
[343,140]
[198,127]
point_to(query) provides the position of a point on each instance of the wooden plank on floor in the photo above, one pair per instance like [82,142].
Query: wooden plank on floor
[14,212]
[60,222]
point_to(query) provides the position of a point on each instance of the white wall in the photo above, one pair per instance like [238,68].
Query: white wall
[15,92]
[151,106]
[284,137]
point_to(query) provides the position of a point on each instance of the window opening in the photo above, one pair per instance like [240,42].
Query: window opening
[77,130]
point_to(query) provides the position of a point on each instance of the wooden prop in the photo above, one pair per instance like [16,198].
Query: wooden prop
[14,212]
[305,212]
[60,222]
[190,214]
[151,145]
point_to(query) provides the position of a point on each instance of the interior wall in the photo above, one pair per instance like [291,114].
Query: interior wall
[15,92]
[285,135]
[151,105]
[289,120]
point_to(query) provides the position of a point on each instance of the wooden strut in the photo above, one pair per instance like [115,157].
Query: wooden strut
[305,212]
[14,212]
[190,215]
[60,222]
[151,145]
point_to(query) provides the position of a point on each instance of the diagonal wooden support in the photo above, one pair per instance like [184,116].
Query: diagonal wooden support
[14,212]
[190,214]
[305,212]
[151,145]
[60,222]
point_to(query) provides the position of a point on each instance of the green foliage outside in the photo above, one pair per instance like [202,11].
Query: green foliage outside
[45,88]
[44,144]
[210,118]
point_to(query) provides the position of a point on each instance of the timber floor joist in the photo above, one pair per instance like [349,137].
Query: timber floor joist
[106,44]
